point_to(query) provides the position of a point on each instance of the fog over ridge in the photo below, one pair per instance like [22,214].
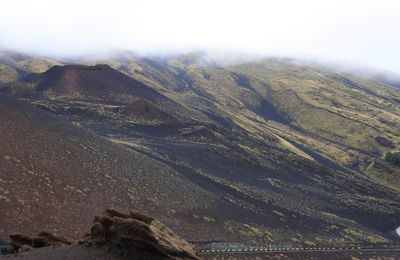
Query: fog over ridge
[347,32]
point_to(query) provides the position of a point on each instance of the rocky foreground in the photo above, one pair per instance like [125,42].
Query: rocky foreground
[114,235]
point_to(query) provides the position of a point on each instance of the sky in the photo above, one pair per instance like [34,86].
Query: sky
[365,32]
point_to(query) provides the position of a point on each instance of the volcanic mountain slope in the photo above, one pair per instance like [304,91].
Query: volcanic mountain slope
[105,93]
[99,81]
[24,64]
[7,74]
[349,119]
[265,176]
[53,173]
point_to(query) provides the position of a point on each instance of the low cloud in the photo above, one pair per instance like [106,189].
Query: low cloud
[360,31]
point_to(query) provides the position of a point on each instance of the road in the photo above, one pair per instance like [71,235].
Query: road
[240,249]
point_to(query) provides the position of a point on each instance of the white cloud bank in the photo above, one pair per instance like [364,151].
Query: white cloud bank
[361,31]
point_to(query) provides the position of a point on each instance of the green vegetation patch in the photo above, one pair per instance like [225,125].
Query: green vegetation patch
[393,158]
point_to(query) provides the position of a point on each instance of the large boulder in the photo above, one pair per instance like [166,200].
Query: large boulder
[114,235]
[134,234]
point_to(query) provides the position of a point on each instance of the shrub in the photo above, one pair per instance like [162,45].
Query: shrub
[393,158]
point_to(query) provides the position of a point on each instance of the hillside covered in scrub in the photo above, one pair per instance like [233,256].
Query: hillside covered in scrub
[262,151]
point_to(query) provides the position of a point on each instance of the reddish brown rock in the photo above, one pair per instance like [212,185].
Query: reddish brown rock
[23,242]
[135,234]
[115,235]
[20,240]
[47,239]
